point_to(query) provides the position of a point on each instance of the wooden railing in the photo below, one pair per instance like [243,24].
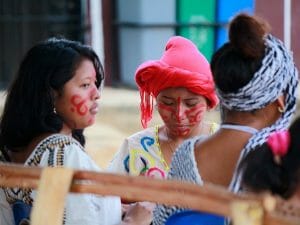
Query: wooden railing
[207,198]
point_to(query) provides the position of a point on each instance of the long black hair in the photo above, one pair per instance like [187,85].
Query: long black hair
[29,107]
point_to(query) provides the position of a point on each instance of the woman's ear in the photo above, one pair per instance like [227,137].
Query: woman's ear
[281,103]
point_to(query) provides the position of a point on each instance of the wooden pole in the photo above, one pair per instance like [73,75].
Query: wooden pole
[206,198]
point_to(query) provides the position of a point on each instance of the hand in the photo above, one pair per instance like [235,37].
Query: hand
[139,213]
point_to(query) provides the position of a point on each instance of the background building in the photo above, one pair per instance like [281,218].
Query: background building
[23,23]
[127,32]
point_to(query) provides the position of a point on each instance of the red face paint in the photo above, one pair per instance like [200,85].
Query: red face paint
[182,131]
[165,111]
[79,105]
[180,118]
[181,110]
[178,112]
[196,113]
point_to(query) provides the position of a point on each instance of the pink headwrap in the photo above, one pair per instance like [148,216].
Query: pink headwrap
[181,65]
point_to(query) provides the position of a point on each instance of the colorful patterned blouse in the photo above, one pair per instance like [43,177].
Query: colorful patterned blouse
[141,155]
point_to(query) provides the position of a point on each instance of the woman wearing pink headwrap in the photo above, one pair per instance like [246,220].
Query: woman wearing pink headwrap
[182,85]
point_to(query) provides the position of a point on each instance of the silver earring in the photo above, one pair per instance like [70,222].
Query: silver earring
[54,110]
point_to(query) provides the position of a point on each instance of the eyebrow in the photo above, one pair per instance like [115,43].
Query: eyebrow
[192,98]
[88,77]
[188,98]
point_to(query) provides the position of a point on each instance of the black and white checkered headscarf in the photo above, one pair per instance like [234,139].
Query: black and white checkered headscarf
[277,75]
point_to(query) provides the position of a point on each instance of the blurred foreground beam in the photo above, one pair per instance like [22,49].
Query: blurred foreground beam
[207,198]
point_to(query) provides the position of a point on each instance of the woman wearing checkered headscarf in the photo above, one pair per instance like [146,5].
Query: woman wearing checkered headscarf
[256,81]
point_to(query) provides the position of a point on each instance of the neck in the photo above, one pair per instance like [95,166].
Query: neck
[247,119]
[243,128]
[66,130]
[258,119]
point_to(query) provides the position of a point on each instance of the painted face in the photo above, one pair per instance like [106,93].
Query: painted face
[181,110]
[77,103]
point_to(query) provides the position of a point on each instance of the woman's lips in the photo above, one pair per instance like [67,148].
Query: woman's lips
[94,109]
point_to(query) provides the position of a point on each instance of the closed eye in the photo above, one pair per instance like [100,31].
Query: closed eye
[191,103]
[168,103]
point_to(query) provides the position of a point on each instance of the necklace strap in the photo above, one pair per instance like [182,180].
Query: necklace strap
[247,129]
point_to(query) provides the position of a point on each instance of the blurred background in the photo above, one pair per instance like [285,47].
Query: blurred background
[126,33]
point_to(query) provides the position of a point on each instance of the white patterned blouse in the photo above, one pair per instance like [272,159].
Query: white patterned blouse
[88,209]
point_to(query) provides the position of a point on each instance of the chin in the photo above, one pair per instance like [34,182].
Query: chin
[90,123]
[84,125]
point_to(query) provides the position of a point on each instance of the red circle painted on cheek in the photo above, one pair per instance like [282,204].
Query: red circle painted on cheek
[79,105]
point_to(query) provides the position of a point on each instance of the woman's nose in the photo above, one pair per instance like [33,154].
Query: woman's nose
[180,112]
[95,93]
